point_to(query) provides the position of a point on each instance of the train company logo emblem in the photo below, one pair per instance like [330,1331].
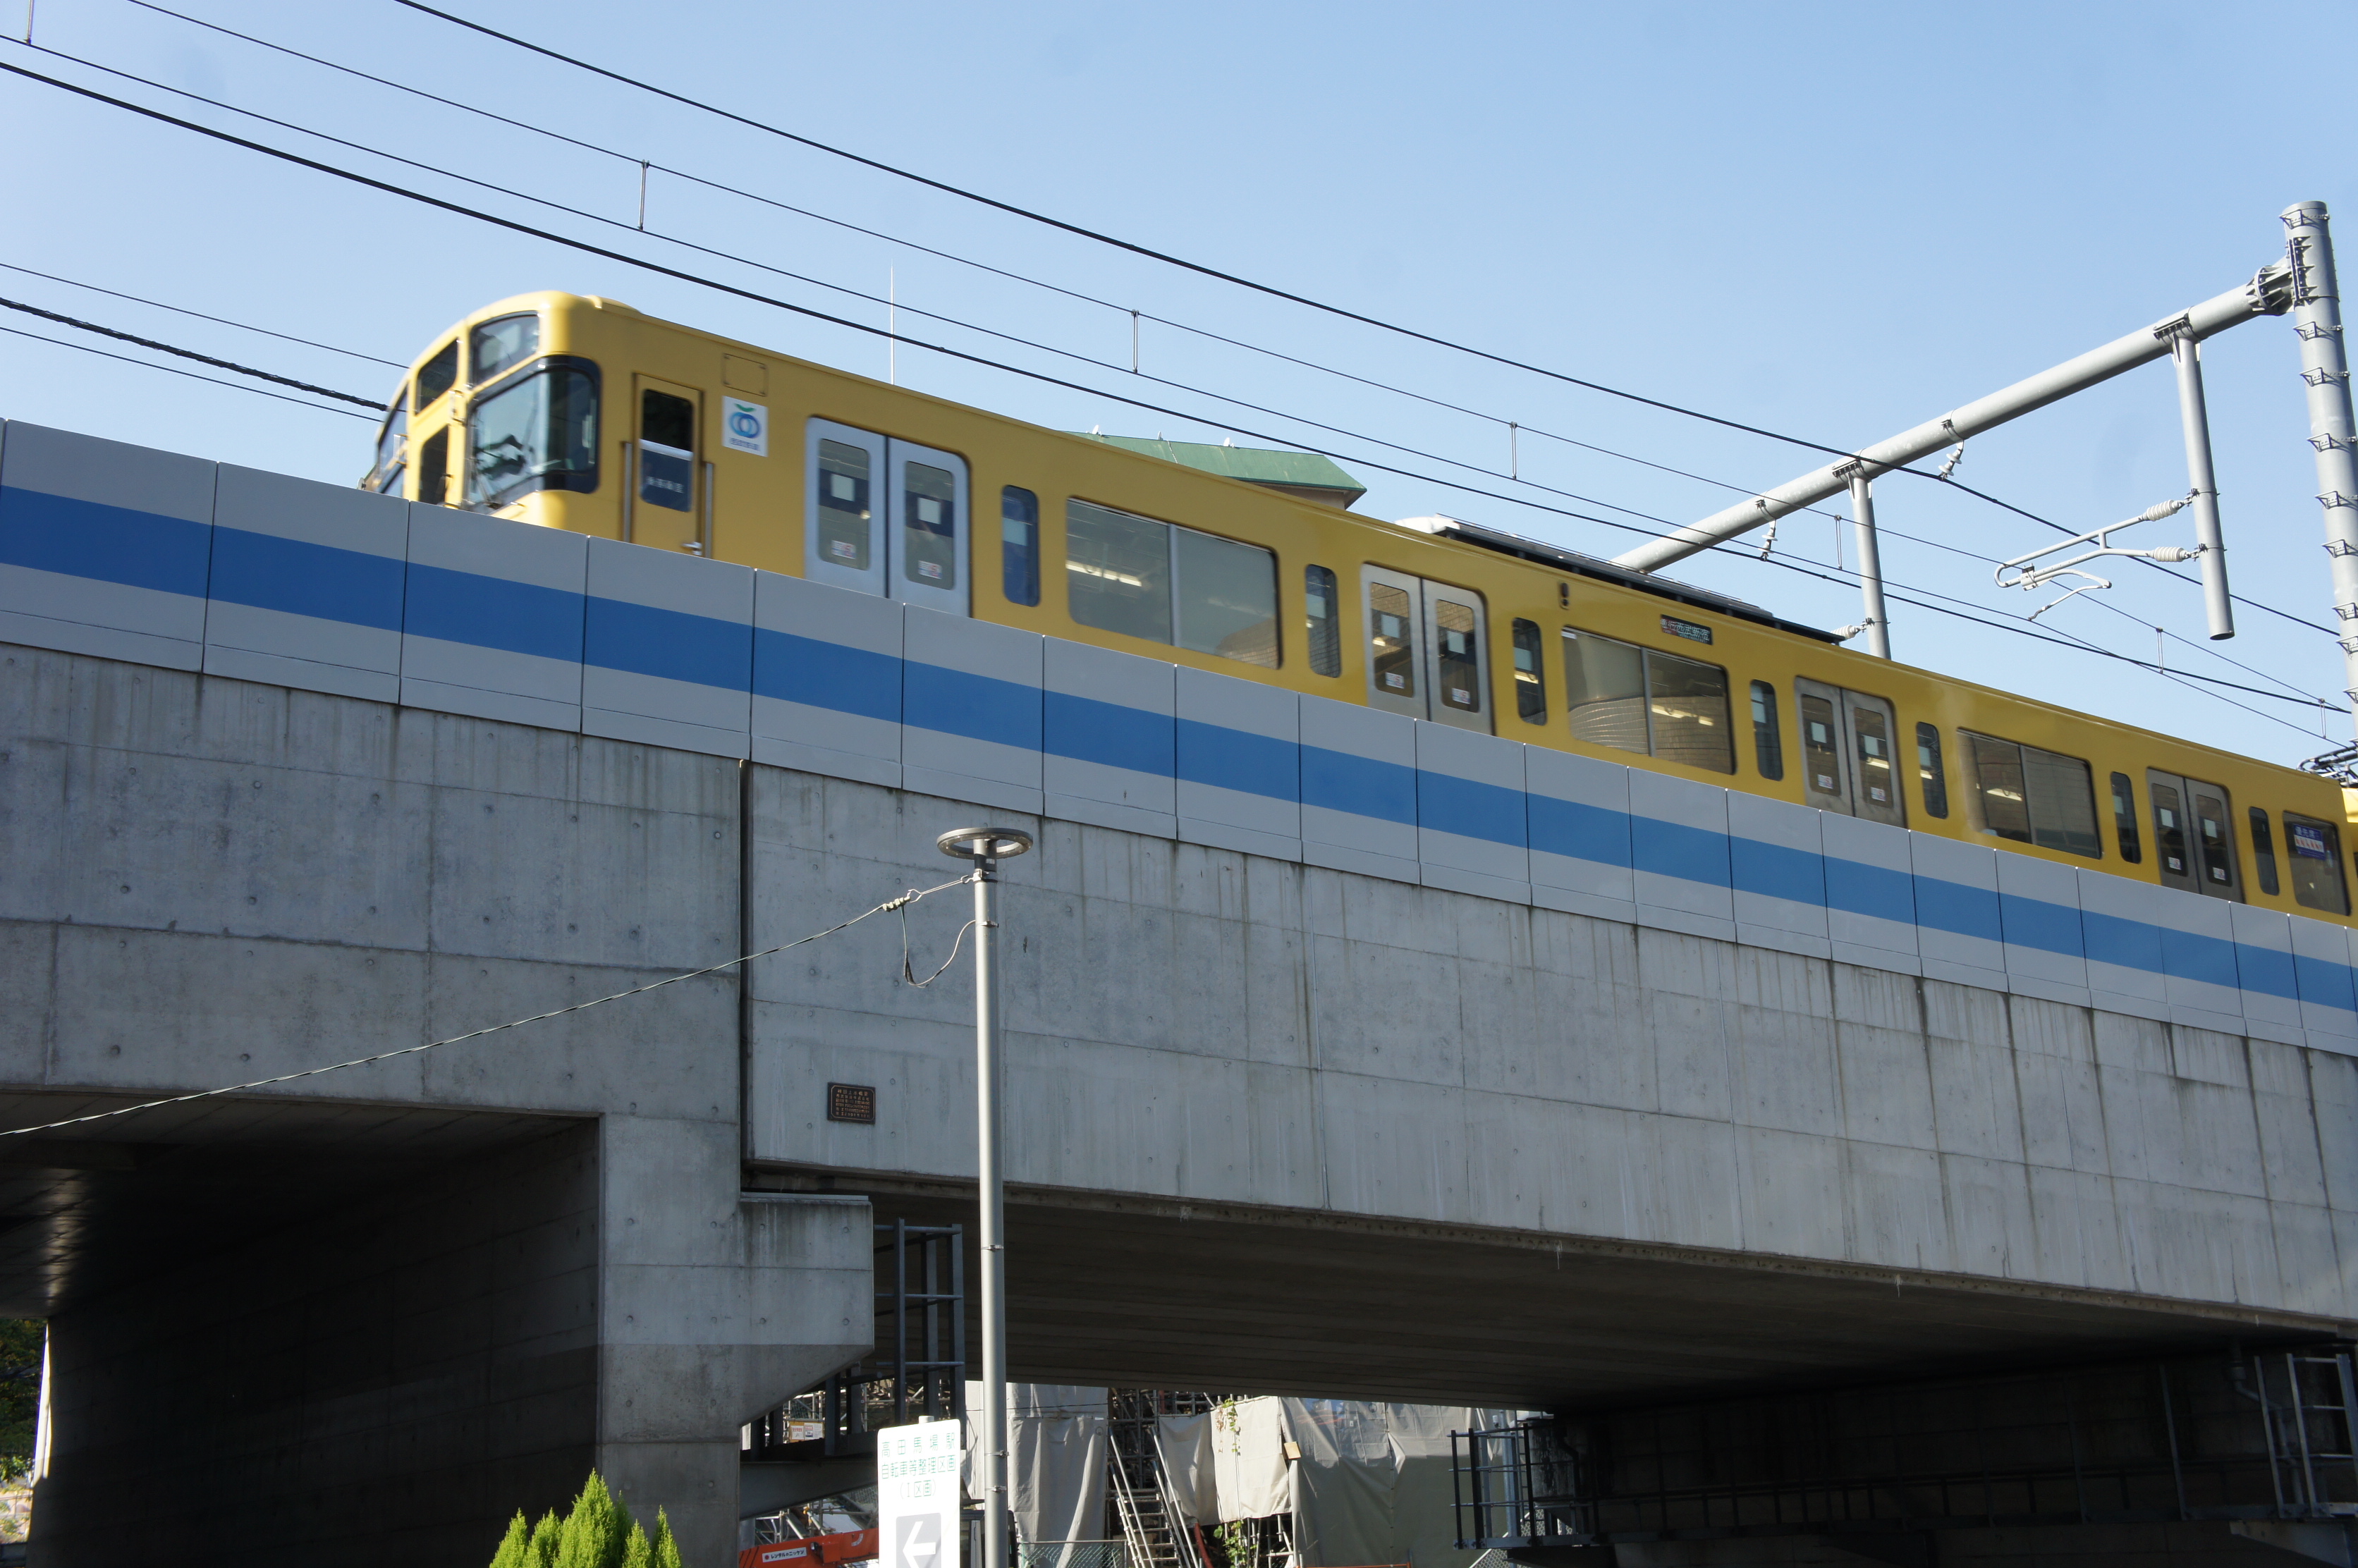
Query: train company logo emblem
[745,427]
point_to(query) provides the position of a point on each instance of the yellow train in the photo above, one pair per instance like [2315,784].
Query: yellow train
[579,413]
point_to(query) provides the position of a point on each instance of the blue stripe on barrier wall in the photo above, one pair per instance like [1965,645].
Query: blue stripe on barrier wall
[1959,910]
[1579,831]
[1471,809]
[2267,970]
[2034,923]
[1675,850]
[297,577]
[2187,955]
[1238,759]
[981,707]
[1776,871]
[669,644]
[2126,944]
[826,675]
[492,612]
[1878,892]
[1089,729]
[106,544]
[2324,984]
[1336,781]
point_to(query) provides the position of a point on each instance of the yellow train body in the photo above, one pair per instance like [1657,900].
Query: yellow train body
[749,496]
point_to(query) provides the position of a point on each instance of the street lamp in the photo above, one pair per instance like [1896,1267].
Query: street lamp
[986,847]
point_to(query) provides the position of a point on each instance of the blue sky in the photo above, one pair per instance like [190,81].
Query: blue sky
[1831,221]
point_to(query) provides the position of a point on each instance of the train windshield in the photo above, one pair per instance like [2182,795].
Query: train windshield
[537,433]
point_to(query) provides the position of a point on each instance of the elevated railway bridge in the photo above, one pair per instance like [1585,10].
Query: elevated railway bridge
[1350,1054]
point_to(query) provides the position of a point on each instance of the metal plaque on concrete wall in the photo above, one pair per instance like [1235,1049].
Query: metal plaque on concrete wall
[918,1494]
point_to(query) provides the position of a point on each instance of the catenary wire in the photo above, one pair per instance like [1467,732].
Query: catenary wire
[184,310]
[1075,294]
[890,904]
[174,370]
[661,269]
[368,403]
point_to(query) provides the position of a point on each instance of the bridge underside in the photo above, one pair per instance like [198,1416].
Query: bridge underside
[1134,1292]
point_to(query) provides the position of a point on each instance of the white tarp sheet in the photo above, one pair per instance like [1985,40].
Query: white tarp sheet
[1184,1445]
[1249,1467]
[1056,1451]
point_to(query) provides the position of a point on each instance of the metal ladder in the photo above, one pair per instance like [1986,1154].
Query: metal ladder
[2309,1403]
[1151,1526]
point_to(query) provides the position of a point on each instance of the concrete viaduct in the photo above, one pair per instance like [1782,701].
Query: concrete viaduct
[1281,1123]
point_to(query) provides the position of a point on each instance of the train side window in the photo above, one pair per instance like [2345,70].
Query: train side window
[2316,864]
[1820,744]
[1768,736]
[1019,545]
[1631,698]
[1687,711]
[392,438]
[1931,773]
[496,345]
[1605,691]
[1225,596]
[437,375]
[434,468]
[2035,798]
[929,553]
[2263,852]
[1391,642]
[1531,684]
[1118,571]
[1322,627]
[2124,821]
[666,450]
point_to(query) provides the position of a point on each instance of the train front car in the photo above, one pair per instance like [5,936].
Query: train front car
[571,412]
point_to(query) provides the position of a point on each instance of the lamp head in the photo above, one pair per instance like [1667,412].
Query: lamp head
[983,843]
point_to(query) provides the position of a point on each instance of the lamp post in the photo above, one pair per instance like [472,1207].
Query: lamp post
[986,847]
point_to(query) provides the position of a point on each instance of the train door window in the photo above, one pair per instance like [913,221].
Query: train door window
[1322,622]
[1686,704]
[1454,643]
[437,375]
[1874,777]
[1225,594]
[1395,664]
[1768,736]
[1531,684]
[500,344]
[927,526]
[1826,776]
[1019,545]
[2124,821]
[842,544]
[1118,571]
[2264,852]
[2215,840]
[1605,691]
[2315,855]
[434,468]
[666,497]
[2173,845]
[1931,773]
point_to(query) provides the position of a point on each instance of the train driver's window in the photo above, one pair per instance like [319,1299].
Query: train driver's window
[1321,620]
[1931,773]
[1768,736]
[434,468]
[538,431]
[2316,864]
[1531,683]
[1019,545]
[2125,820]
[2033,796]
[2263,852]
[498,344]
[437,375]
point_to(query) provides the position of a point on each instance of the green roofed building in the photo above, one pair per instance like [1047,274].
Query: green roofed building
[1302,474]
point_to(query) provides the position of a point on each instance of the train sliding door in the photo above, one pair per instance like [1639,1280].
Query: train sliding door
[2194,836]
[1426,649]
[670,500]
[886,518]
[1849,760]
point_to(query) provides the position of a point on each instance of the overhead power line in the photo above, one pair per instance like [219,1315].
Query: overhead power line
[174,370]
[184,310]
[368,403]
[659,268]
[1944,476]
